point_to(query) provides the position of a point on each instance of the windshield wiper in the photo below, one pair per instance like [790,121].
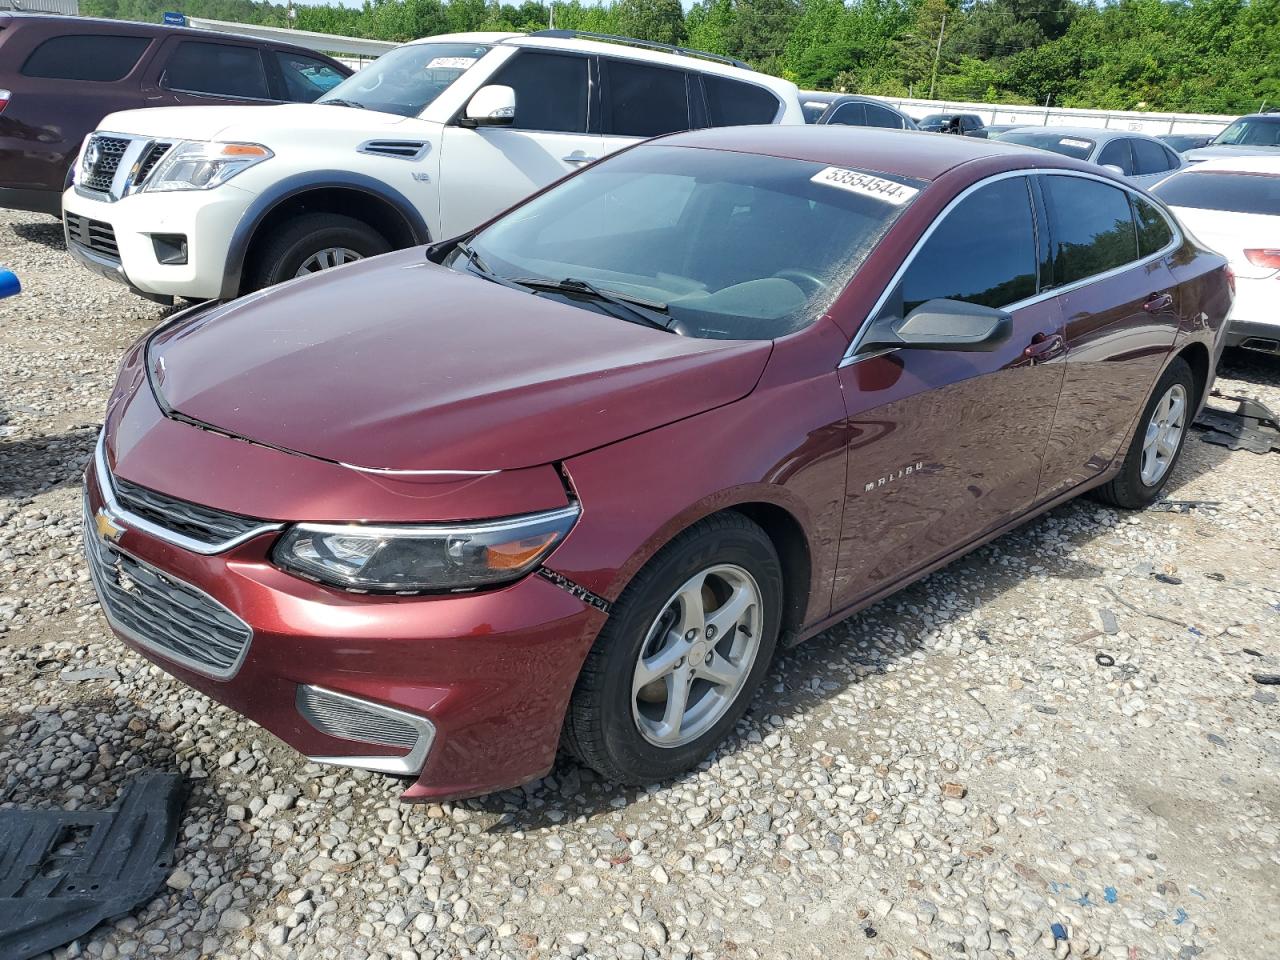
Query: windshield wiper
[339,102]
[481,269]
[647,312]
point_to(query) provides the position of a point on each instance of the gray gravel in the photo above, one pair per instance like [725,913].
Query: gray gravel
[951,774]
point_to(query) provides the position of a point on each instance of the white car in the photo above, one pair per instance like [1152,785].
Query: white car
[1233,206]
[430,140]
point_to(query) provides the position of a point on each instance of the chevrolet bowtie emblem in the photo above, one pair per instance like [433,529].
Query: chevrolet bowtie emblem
[108,529]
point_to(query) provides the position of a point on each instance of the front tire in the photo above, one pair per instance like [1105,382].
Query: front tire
[311,243]
[685,648]
[1157,442]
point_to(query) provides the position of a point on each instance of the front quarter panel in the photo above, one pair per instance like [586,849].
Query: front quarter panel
[783,445]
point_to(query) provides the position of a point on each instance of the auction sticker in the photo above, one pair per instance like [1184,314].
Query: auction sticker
[1072,142]
[451,63]
[878,188]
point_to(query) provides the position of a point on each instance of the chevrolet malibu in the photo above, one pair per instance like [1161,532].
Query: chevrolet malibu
[575,477]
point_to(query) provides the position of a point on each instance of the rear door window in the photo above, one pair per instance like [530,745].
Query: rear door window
[1150,157]
[216,69]
[306,78]
[551,91]
[642,100]
[878,116]
[1154,232]
[983,252]
[1117,153]
[94,58]
[731,103]
[850,115]
[1092,227]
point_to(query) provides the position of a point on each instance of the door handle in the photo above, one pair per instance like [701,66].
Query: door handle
[1158,302]
[1044,347]
[579,158]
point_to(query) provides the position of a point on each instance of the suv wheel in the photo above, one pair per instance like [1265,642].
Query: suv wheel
[314,242]
[684,649]
[1157,442]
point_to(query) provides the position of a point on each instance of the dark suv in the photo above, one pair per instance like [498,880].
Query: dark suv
[59,76]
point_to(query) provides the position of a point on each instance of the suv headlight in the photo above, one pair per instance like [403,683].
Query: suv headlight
[422,559]
[196,165]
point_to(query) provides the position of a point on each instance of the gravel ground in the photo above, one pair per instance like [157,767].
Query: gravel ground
[950,774]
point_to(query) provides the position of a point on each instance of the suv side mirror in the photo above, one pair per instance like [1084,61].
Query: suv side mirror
[491,106]
[941,325]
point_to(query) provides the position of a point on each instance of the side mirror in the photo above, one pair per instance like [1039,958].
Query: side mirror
[941,325]
[1114,168]
[491,106]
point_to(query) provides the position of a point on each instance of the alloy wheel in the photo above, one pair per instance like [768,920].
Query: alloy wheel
[1164,433]
[697,656]
[326,258]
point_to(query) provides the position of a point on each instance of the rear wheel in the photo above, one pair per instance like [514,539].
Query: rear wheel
[314,242]
[684,649]
[1157,443]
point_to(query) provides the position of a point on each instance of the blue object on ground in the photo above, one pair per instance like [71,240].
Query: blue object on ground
[9,284]
[1109,894]
[1059,931]
[1180,917]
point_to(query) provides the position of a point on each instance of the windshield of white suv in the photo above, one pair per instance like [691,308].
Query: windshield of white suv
[406,79]
[1250,132]
[705,243]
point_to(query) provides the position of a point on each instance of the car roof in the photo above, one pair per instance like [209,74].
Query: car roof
[908,153]
[784,88]
[1247,164]
[160,29]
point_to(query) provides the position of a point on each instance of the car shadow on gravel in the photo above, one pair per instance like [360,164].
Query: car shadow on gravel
[1251,366]
[867,644]
[46,233]
[34,465]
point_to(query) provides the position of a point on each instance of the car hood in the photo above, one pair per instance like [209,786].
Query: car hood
[397,364]
[1213,153]
[258,124]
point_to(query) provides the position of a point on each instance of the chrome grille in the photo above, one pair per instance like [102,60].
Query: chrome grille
[350,719]
[93,234]
[99,176]
[189,519]
[166,615]
[149,161]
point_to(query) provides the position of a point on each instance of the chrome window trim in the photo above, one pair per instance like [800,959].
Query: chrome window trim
[410,763]
[135,522]
[851,355]
[195,666]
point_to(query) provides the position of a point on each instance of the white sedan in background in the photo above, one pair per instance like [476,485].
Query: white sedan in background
[1233,206]
[1137,157]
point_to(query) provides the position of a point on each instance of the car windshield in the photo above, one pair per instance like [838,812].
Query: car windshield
[408,78]
[1250,132]
[718,244]
[1222,190]
[934,119]
[1078,148]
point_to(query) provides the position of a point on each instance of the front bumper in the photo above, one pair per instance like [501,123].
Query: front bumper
[464,692]
[120,245]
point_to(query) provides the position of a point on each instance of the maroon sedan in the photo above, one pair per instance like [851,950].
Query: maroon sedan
[573,479]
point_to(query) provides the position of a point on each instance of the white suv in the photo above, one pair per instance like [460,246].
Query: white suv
[427,142]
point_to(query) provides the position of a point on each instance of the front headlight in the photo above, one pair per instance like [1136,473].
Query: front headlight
[422,559]
[195,165]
